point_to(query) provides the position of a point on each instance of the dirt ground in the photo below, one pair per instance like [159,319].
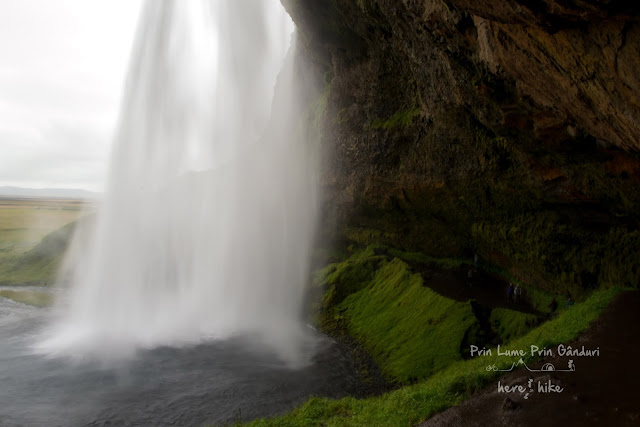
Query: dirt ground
[603,390]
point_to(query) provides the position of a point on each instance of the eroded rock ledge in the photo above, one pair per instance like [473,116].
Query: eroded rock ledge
[510,128]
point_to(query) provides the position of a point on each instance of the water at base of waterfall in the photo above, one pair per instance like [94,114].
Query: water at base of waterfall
[206,227]
[211,383]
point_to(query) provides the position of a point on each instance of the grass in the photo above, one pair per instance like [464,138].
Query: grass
[509,324]
[24,222]
[33,237]
[448,263]
[545,247]
[450,386]
[539,299]
[37,299]
[365,236]
[409,330]
[401,118]
[39,265]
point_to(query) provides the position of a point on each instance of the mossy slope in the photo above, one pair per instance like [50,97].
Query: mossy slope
[413,404]
[410,330]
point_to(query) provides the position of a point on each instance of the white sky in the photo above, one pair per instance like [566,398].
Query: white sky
[62,65]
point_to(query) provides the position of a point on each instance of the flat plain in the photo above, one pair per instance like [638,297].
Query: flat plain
[24,223]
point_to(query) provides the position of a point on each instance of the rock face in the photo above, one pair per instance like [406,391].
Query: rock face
[508,128]
[577,59]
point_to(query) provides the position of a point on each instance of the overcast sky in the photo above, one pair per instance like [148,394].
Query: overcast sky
[62,65]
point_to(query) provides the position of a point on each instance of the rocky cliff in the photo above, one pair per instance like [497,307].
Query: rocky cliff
[510,128]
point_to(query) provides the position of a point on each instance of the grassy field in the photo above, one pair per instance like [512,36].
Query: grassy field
[26,227]
[37,299]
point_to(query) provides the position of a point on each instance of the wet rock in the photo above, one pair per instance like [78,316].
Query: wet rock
[445,123]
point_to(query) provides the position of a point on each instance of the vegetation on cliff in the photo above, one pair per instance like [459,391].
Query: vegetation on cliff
[437,138]
[385,299]
[452,128]
[449,386]
[406,327]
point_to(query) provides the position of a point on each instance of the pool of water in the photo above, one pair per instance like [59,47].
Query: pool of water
[210,383]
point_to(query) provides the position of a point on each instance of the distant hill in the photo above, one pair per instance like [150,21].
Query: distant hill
[57,193]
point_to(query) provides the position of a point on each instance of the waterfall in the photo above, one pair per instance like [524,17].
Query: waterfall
[209,212]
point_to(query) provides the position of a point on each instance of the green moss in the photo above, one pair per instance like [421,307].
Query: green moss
[366,236]
[510,324]
[409,330]
[345,278]
[563,257]
[538,299]
[398,119]
[421,258]
[37,299]
[363,236]
[342,116]
[561,221]
[412,404]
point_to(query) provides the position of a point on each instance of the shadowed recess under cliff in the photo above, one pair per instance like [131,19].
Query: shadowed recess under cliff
[210,208]
[508,129]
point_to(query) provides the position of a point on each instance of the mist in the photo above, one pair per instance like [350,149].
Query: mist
[206,225]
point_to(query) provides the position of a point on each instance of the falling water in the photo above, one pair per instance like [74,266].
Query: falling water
[209,212]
